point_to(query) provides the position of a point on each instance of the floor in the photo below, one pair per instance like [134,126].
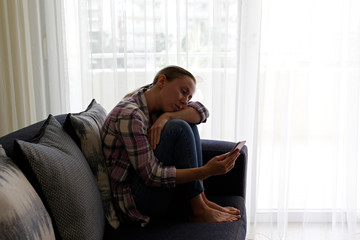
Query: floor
[298,231]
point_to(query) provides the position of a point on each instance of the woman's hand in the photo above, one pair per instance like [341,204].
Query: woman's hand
[218,165]
[154,132]
[221,164]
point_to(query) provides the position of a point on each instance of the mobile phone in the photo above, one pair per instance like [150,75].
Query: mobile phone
[239,145]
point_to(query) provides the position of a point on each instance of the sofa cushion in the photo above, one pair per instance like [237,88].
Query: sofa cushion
[58,170]
[22,215]
[178,229]
[85,129]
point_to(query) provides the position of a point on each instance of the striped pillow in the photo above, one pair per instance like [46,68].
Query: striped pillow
[85,128]
[22,213]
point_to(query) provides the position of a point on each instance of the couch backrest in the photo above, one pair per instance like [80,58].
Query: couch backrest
[25,133]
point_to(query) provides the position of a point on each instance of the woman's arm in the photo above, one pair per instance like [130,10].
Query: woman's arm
[218,165]
[131,133]
[188,114]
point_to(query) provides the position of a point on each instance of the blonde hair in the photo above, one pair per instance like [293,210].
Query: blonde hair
[171,72]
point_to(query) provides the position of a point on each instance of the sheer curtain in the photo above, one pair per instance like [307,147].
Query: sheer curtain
[308,128]
[130,41]
[32,74]
[284,75]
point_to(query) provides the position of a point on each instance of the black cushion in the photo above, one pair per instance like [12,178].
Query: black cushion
[181,229]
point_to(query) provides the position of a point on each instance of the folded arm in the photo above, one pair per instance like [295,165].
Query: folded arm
[194,113]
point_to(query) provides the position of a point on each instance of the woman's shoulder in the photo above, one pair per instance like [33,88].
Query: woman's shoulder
[126,109]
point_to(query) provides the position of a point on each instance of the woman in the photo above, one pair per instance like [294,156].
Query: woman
[152,148]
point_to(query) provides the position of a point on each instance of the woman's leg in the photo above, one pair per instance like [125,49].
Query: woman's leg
[196,134]
[202,208]
[211,204]
[178,148]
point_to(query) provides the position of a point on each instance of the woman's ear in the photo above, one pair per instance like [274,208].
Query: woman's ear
[161,81]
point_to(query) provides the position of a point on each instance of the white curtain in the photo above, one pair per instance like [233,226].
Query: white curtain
[117,46]
[32,73]
[308,126]
[282,74]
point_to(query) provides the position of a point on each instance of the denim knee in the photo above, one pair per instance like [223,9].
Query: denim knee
[180,147]
[178,124]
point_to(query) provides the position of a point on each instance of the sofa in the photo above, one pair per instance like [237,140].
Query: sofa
[54,184]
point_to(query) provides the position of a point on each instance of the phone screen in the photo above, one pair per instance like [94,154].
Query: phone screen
[239,145]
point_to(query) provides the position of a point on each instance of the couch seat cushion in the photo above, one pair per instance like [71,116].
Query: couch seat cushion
[179,229]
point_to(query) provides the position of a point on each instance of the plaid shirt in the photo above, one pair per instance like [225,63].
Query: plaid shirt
[127,152]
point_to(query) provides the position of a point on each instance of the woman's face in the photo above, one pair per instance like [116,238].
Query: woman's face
[177,93]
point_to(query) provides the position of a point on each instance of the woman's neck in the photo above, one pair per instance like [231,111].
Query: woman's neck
[152,97]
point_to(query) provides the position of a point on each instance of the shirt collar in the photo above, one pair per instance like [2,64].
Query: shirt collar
[139,98]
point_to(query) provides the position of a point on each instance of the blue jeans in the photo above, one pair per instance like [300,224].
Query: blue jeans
[179,146]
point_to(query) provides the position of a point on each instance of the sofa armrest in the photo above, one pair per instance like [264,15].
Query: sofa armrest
[232,183]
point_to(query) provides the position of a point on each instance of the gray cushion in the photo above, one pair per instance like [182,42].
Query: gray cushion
[64,181]
[22,214]
[85,128]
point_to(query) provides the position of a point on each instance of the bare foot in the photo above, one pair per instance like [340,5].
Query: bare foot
[201,212]
[230,210]
[212,215]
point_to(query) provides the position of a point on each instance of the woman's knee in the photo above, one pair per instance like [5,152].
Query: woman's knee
[180,129]
[178,125]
